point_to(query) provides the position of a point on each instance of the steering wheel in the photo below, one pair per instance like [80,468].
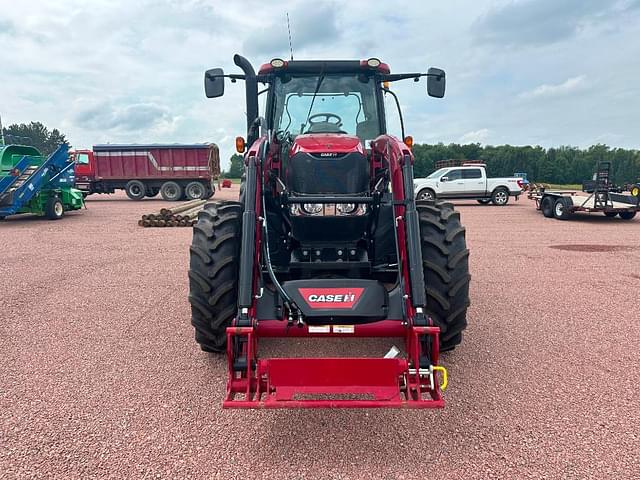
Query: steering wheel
[326,117]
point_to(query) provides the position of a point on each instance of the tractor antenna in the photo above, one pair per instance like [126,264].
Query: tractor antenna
[289,30]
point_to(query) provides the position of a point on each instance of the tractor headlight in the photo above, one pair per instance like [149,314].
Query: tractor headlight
[346,208]
[373,63]
[353,209]
[312,208]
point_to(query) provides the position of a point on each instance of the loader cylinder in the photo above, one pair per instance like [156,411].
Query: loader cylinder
[248,243]
[412,228]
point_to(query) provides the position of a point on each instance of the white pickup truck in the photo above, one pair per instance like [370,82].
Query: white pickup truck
[467,182]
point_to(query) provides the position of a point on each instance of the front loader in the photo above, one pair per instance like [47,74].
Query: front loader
[328,241]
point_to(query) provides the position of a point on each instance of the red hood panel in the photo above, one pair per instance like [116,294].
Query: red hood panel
[327,142]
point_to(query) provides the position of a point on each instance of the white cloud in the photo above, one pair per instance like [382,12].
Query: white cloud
[567,87]
[122,71]
[476,136]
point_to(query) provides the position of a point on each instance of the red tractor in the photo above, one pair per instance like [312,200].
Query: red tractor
[327,240]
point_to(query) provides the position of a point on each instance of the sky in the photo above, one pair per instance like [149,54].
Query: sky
[525,72]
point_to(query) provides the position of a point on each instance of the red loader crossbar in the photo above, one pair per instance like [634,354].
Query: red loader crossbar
[334,382]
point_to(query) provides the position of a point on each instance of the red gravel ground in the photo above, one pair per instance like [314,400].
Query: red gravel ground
[100,375]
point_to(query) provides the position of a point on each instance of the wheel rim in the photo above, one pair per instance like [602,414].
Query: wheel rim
[195,191]
[559,209]
[58,209]
[171,191]
[136,190]
[501,198]
[425,196]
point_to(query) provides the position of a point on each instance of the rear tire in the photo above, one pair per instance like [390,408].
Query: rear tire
[135,190]
[445,260]
[195,191]
[54,209]
[547,207]
[213,272]
[627,215]
[171,191]
[500,197]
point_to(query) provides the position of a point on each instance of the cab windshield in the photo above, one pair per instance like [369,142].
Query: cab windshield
[342,104]
[437,173]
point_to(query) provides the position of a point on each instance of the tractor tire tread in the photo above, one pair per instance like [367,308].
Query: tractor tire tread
[213,272]
[445,260]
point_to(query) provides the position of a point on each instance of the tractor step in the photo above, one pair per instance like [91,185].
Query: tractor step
[331,382]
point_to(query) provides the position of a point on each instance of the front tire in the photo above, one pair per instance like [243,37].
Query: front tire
[54,209]
[627,215]
[213,272]
[484,201]
[426,194]
[445,260]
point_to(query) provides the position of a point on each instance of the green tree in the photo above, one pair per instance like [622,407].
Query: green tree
[34,134]
[237,166]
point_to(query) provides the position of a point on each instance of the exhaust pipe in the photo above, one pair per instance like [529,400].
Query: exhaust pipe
[251,87]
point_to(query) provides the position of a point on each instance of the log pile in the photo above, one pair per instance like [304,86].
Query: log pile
[183,215]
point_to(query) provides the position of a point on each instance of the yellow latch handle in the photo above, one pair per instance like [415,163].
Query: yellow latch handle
[445,376]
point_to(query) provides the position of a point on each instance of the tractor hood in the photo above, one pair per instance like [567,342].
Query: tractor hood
[327,144]
[326,164]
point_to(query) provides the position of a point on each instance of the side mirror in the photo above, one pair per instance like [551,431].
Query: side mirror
[214,83]
[444,179]
[436,82]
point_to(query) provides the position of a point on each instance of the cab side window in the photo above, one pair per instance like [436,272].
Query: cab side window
[471,173]
[454,175]
[82,159]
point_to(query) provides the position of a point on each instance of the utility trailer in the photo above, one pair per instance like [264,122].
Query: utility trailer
[602,198]
[32,183]
[562,205]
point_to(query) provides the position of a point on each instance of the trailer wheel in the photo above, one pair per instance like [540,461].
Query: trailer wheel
[171,191]
[547,207]
[135,190]
[445,260]
[152,191]
[500,197]
[54,209]
[195,191]
[560,210]
[213,272]
[484,201]
[610,214]
[627,215]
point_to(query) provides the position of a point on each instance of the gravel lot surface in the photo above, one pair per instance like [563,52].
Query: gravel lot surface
[100,375]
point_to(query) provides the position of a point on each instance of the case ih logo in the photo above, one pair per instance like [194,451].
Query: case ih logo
[331,297]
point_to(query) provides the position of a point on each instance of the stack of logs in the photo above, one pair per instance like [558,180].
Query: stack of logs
[184,215]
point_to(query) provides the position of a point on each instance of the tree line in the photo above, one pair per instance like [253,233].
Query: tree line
[562,165]
[34,134]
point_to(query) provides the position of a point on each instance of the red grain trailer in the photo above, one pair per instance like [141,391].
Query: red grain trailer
[175,171]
